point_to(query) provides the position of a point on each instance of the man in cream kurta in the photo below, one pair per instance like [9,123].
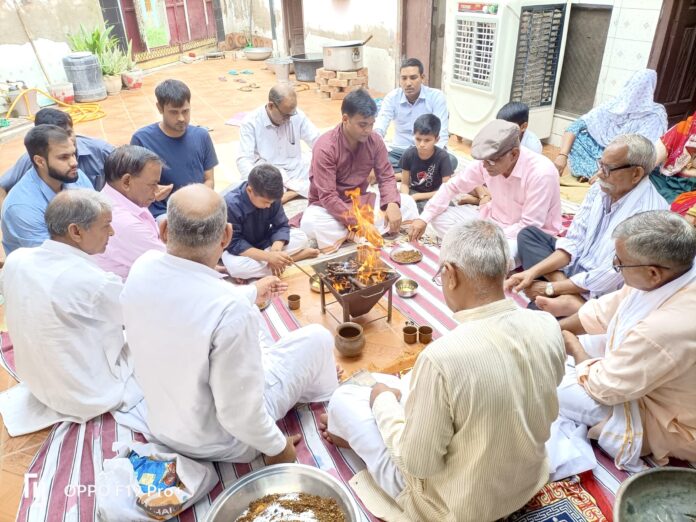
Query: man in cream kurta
[648,367]
[467,443]
[214,384]
[64,316]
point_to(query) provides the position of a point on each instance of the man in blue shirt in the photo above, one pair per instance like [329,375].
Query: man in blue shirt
[91,153]
[262,241]
[188,152]
[52,154]
[404,104]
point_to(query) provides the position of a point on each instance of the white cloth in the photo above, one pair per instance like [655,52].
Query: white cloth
[622,435]
[247,268]
[531,141]
[64,316]
[213,381]
[632,111]
[330,233]
[462,213]
[589,242]
[351,418]
[261,141]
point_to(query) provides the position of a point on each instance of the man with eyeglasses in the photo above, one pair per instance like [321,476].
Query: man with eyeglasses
[560,274]
[638,390]
[477,406]
[274,134]
[523,186]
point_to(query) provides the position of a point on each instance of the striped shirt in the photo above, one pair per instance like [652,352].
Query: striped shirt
[470,441]
[589,241]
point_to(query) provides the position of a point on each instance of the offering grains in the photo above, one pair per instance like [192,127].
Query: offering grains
[293,507]
[407,256]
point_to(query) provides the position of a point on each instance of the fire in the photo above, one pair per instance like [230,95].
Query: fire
[341,285]
[368,254]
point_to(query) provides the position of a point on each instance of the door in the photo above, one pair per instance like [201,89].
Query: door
[416,28]
[294,26]
[673,56]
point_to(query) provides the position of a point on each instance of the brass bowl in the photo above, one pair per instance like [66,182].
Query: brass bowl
[406,288]
[315,284]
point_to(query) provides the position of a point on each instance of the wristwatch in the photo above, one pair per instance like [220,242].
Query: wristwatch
[549,290]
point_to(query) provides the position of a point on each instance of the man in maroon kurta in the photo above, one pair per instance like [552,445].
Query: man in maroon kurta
[342,160]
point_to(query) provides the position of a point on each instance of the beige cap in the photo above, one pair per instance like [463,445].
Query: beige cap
[495,139]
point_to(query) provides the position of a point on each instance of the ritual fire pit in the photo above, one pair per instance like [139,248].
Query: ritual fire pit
[357,281]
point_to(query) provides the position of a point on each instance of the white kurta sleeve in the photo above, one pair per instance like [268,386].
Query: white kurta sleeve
[248,150]
[237,381]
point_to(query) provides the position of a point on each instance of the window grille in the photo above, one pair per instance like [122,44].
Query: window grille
[473,53]
[538,50]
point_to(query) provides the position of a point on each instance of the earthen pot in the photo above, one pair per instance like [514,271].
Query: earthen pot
[350,339]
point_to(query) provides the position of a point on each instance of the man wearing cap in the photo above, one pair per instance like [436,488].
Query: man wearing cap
[523,186]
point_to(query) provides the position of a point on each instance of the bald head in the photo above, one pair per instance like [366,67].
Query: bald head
[282,93]
[196,217]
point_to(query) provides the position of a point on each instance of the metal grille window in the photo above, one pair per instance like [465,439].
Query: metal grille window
[473,53]
[538,50]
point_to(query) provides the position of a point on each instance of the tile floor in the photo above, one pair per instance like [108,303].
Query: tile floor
[215,98]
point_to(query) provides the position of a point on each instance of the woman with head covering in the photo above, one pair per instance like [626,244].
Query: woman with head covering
[633,111]
[675,176]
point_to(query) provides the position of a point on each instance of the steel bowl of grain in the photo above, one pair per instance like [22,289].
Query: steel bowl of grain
[405,255]
[291,487]
[406,287]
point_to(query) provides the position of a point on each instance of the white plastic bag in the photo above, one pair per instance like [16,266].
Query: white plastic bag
[118,494]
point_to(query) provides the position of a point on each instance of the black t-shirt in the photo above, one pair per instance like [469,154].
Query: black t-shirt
[426,175]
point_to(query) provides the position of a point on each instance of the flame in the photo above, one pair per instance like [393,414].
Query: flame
[341,285]
[368,254]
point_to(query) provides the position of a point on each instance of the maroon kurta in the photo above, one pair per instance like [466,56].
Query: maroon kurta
[336,169]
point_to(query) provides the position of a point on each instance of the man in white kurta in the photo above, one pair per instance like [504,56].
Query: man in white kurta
[64,315]
[274,134]
[214,383]
[466,440]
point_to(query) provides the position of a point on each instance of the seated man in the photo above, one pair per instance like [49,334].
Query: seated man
[341,161]
[262,241]
[54,169]
[518,113]
[560,274]
[425,166]
[214,384]
[91,153]
[405,103]
[477,406]
[274,134]
[132,177]
[639,396]
[187,151]
[64,315]
[523,185]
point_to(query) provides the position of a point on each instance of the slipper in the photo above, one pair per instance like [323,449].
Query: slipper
[222,78]
[247,71]
[254,85]
[239,80]
[246,88]
[233,72]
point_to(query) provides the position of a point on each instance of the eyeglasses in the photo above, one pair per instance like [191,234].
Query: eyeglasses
[618,267]
[491,162]
[285,115]
[606,170]
[437,278]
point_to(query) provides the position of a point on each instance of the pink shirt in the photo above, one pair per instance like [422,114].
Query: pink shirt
[135,232]
[336,168]
[530,195]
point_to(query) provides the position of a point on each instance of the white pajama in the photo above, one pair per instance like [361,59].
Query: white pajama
[351,418]
[297,180]
[247,268]
[318,224]
[460,214]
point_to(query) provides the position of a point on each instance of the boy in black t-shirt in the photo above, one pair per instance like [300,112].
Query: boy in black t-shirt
[425,166]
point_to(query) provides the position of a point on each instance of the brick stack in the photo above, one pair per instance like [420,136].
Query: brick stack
[336,84]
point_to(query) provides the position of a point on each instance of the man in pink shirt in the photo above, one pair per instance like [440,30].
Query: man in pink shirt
[342,160]
[523,185]
[132,177]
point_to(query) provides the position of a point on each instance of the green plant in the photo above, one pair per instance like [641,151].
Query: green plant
[105,47]
[114,62]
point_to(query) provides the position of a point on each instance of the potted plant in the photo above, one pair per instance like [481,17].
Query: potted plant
[132,77]
[113,62]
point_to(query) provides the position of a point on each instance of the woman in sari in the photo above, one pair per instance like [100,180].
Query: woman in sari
[675,176]
[633,111]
